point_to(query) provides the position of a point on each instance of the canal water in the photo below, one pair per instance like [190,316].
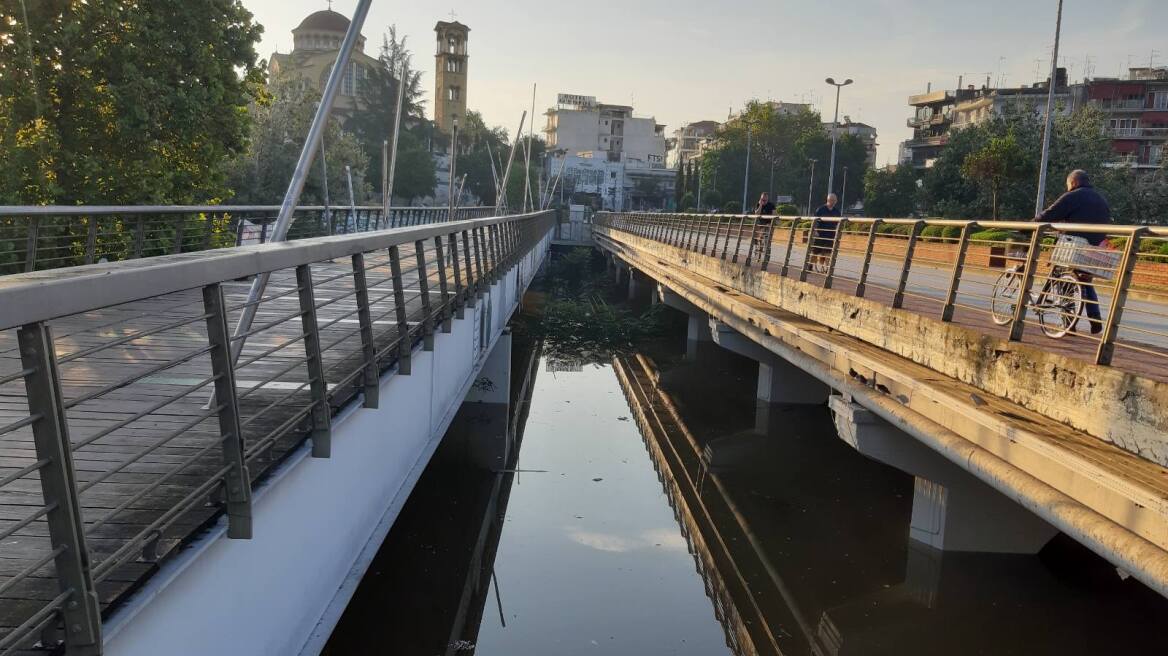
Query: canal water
[604,537]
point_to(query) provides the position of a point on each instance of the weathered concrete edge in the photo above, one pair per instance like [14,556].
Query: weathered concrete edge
[1124,409]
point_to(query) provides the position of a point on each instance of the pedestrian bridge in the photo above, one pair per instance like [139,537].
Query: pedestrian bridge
[152,486]
[1011,435]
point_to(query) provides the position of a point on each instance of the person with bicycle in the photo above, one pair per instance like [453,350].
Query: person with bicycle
[1082,204]
[824,234]
[764,209]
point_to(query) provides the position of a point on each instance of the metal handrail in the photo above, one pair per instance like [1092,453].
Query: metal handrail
[956,267]
[40,237]
[308,363]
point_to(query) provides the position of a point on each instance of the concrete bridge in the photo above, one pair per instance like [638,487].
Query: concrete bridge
[153,487]
[1011,435]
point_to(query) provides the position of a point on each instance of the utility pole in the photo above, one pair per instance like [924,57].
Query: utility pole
[401,90]
[843,194]
[1045,161]
[835,130]
[811,186]
[453,166]
[746,176]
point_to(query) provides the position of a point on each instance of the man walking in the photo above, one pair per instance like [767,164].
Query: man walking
[824,235]
[1082,204]
[764,208]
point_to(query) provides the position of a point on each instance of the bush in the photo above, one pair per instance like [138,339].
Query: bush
[932,232]
[951,232]
[997,235]
[787,209]
[732,207]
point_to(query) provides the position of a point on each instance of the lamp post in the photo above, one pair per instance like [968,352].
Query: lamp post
[844,193]
[1051,84]
[453,164]
[811,185]
[834,124]
[746,176]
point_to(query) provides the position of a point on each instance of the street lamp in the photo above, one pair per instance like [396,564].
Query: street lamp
[746,176]
[811,185]
[834,123]
[1045,160]
[844,193]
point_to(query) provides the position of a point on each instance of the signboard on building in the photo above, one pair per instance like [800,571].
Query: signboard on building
[575,101]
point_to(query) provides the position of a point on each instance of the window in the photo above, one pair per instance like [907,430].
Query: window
[452,46]
[1124,127]
[453,66]
[1160,100]
[452,93]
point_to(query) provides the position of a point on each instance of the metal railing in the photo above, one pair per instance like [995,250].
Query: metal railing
[972,272]
[48,237]
[113,454]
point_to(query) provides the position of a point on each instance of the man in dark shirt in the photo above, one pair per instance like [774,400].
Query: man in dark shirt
[824,236]
[1082,204]
[764,208]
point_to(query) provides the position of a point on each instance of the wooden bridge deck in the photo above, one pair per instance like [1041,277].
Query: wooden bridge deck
[175,446]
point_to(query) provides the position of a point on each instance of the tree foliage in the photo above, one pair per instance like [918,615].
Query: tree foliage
[997,163]
[280,123]
[781,142]
[119,102]
[890,192]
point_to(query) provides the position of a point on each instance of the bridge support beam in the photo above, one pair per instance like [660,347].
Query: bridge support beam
[698,328]
[779,381]
[952,510]
[479,436]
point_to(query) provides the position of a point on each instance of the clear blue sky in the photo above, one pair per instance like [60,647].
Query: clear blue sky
[683,60]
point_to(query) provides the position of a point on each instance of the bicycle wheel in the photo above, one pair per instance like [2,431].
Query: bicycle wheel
[819,263]
[1060,305]
[1005,297]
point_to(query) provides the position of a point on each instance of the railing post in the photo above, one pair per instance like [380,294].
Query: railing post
[906,266]
[50,432]
[958,269]
[90,239]
[424,292]
[738,243]
[1019,321]
[770,238]
[479,264]
[318,386]
[750,246]
[726,244]
[140,236]
[208,231]
[180,228]
[405,346]
[237,481]
[443,287]
[372,373]
[459,301]
[866,264]
[833,257]
[30,248]
[706,233]
[470,274]
[807,252]
[790,246]
[1127,265]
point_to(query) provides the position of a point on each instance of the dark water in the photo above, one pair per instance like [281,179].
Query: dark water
[583,551]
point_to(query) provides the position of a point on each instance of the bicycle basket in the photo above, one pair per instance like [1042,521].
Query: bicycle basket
[1078,254]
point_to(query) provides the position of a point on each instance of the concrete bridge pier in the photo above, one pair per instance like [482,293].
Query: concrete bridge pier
[698,327]
[952,510]
[779,382]
[478,436]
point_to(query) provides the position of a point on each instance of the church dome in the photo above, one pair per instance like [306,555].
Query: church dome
[325,20]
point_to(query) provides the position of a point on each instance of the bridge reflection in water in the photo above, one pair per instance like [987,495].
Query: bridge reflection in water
[800,542]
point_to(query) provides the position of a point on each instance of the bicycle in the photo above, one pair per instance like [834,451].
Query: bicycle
[1059,303]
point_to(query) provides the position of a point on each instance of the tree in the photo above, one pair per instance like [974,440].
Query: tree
[890,192]
[117,102]
[999,162]
[1135,197]
[373,122]
[280,123]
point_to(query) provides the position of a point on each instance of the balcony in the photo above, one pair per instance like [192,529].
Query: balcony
[1121,105]
[1137,133]
[935,119]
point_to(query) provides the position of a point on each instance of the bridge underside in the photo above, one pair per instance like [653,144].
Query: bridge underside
[983,403]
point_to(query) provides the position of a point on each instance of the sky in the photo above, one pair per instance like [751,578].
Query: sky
[682,60]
